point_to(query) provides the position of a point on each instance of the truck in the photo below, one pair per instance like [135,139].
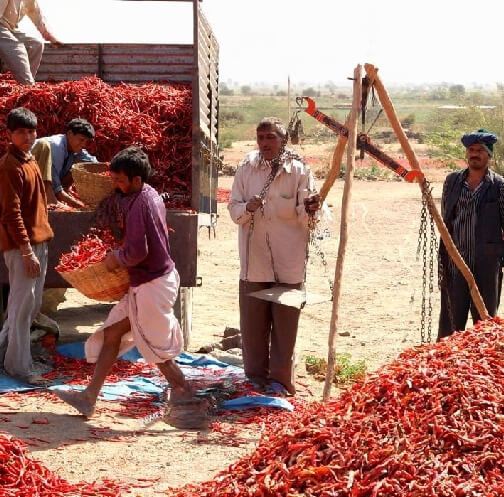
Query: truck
[195,63]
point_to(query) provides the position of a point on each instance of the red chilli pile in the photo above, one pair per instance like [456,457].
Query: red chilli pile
[429,424]
[23,476]
[157,117]
[92,248]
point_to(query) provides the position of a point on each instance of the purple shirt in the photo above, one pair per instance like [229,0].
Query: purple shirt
[146,249]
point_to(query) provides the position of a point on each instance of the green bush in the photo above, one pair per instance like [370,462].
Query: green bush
[445,129]
[345,370]
[408,121]
[231,117]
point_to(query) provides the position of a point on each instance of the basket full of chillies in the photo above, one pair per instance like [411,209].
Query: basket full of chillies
[84,268]
[92,181]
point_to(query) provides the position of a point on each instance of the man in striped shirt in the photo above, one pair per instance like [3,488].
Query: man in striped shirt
[472,206]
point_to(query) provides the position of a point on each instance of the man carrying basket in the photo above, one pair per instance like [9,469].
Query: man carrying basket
[144,316]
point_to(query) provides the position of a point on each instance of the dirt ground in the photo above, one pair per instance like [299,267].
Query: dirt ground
[379,317]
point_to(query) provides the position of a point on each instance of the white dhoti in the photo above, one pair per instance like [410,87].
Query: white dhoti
[155,330]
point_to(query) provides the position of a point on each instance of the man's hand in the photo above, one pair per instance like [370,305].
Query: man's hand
[111,261]
[312,203]
[51,38]
[64,196]
[254,203]
[31,265]
[51,198]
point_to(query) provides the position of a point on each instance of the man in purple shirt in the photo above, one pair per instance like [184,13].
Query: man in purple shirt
[144,317]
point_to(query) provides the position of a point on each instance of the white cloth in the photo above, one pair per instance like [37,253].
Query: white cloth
[154,328]
[280,234]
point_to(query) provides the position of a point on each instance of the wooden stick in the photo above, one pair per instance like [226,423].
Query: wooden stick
[388,107]
[345,205]
[335,166]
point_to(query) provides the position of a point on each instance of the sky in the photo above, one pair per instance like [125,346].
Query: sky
[313,41]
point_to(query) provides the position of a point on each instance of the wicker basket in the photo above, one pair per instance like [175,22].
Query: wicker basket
[92,186]
[97,282]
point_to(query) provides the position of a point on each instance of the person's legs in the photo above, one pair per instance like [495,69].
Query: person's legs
[173,375]
[41,252]
[34,48]
[455,303]
[84,401]
[488,276]
[255,327]
[283,343]
[15,334]
[15,57]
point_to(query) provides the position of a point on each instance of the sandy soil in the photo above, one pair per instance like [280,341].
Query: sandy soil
[379,317]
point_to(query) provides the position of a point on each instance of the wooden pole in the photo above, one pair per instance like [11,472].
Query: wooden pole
[372,73]
[345,206]
[335,165]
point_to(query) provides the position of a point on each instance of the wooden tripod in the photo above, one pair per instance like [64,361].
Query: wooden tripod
[348,135]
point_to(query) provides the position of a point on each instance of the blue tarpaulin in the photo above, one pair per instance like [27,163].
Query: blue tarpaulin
[193,366]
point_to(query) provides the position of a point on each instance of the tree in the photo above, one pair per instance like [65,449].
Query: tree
[225,90]
[445,129]
[457,91]
[408,121]
[438,94]
[331,87]
[246,90]
[310,92]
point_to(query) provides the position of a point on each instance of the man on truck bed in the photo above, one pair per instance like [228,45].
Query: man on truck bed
[66,150]
[20,53]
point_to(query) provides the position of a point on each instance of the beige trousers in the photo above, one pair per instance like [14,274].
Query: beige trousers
[21,54]
[25,297]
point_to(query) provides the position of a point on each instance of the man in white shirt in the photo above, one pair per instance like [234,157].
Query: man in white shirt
[20,53]
[273,193]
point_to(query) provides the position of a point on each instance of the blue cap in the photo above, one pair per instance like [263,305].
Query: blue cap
[482,137]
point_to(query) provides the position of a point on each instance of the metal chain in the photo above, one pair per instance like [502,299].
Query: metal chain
[422,249]
[313,241]
[274,168]
[314,233]
[374,122]
[295,128]
[427,248]
[432,256]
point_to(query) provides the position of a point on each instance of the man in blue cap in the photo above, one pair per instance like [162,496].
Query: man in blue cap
[472,206]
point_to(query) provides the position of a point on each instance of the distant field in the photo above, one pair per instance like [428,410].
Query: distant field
[239,114]
[434,124]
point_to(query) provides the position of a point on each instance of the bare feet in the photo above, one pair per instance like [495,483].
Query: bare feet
[78,400]
[173,374]
[185,411]
[35,379]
